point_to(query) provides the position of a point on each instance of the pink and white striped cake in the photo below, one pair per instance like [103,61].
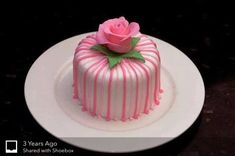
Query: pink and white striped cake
[119,93]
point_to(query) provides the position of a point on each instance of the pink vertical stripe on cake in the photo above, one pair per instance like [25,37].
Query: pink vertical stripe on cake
[79,49]
[135,115]
[156,87]
[144,44]
[95,86]
[84,82]
[161,90]
[109,95]
[75,73]
[124,93]
[102,98]
[147,93]
[75,79]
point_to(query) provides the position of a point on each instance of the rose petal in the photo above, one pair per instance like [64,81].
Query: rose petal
[125,22]
[134,28]
[122,47]
[108,31]
[122,18]
[100,36]
[112,37]
[118,28]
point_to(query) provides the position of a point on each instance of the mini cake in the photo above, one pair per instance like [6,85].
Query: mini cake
[116,71]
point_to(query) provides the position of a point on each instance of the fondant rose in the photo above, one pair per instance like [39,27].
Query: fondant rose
[116,34]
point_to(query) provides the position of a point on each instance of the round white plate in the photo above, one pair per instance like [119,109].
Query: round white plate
[48,93]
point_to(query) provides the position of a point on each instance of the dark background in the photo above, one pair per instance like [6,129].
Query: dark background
[203,30]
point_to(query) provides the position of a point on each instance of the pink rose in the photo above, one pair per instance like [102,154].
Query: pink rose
[116,34]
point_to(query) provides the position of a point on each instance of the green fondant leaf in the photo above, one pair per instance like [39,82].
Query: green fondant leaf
[113,61]
[134,41]
[101,48]
[134,54]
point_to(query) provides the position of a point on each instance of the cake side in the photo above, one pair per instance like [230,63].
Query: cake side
[120,93]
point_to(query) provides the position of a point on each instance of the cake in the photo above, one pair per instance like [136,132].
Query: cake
[116,72]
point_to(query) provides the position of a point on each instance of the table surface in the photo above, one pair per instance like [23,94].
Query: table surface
[203,32]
